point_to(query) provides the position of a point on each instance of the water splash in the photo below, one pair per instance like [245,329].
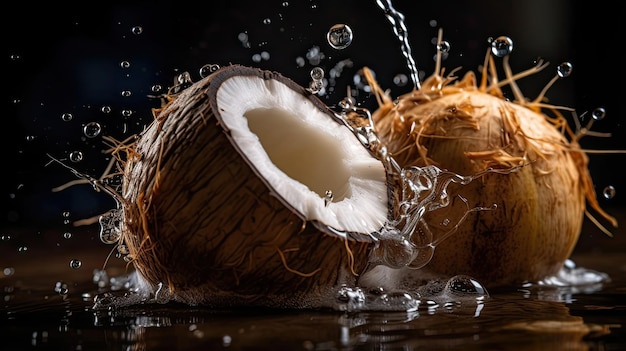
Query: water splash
[409,240]
[399,28]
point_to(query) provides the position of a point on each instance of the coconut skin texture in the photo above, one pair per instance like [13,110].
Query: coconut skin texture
[466,128]
[200,221]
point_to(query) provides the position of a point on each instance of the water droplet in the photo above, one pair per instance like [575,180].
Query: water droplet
[8,271]
[67,235]
[317,73]
[127,113]
[125,64]
[126,93]
[5,237]
[267,21]
[110,227]
[465,285]
[226,340]
[61,288]
[156,88]
[502,46]
[564,69]
[76,156]
[75,263]
[92,129]
[22,249]
[609,192]
[137,30]
[123,249]
[242,37]
[400,79]
[207,69]
[66,117]
[328,198]
[598,113]
[339,36]
[285,3]
[105,109]
[444,46]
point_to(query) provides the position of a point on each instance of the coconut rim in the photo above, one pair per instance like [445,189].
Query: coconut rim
[347,218]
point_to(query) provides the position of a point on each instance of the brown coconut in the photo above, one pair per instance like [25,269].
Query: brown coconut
[204,220]
[468,128]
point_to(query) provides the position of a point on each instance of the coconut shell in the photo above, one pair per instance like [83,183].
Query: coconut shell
[540,206]
[198,219]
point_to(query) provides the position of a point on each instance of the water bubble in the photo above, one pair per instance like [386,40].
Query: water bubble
[564,69]
[67,235]
[22,249]
[127,113]
[5,237]
[75,263]
[136,30]
[126,93]
[285,3]
[598,113]
[609,192]
[105,109]
[125,64]
[267,21]
[92,129]
[76,156]
[66,117]
[339,36]
[502,46]
[156,88]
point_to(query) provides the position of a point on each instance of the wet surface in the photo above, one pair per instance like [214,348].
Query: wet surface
[67,71]
[47,304]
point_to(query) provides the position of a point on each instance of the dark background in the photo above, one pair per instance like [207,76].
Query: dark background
[66,59]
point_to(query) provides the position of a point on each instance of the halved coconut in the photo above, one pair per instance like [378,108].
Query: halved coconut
[247,188]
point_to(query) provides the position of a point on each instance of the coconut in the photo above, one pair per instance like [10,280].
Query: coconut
[247,189]
[466,128]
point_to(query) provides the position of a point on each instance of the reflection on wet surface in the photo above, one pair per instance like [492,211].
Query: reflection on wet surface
[47,304]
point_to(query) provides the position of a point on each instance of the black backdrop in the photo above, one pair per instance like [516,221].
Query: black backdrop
[67,59]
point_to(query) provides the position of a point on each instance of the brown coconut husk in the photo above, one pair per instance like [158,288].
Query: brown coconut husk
[466,128]
[199,220]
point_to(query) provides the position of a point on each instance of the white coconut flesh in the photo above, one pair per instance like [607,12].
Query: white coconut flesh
[304,154]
